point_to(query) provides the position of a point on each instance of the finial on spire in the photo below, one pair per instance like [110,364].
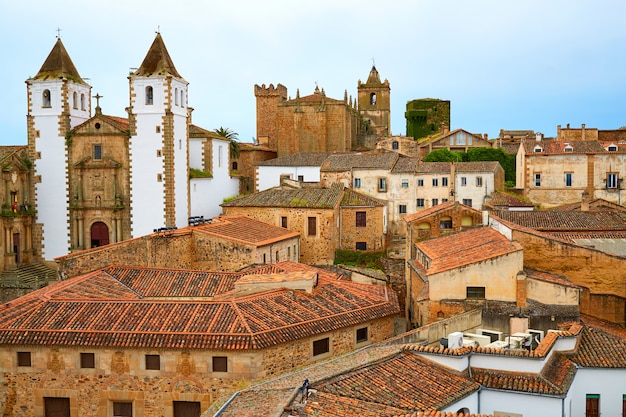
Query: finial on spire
[373,62]
[58,33]
[98,97]
[158,31]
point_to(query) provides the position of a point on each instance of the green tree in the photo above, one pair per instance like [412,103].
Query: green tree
[233,137]
[494,154]
[444,155]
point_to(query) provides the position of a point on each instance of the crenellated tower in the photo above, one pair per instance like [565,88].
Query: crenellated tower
[267,101]
[374,104]
[58,100]
[159,126]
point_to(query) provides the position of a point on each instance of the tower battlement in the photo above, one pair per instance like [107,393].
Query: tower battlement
[280,91]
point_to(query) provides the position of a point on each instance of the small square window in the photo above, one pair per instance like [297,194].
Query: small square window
[357,183]
[97,152]
[361,335]
[159,177]
[87,360]
[420,182]
[361,245]
[321,346]
[23,359]
[382,185]
[479,181]
[467,202]
[435,201]
[475,292]
[420,202]
[463,181]
[283,221]
[153,362]
[220,364]
[122,409]
[444,181]
[435,182]
[405,183]
[402,208]
[159,153]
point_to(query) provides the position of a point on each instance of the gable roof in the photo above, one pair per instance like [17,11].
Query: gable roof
[306,159]
[136,307]
[557,147]
[434,139]
[157,61]
[353,198]
[378,159]
[565,221]
[244,229]
[447,206]
[499,199]
[58,64]
[465,248]
[285,196]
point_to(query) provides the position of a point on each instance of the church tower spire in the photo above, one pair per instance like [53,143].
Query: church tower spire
[374,104]
[58,100]
[159,120]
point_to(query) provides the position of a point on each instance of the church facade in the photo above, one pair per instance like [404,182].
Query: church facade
[102,179]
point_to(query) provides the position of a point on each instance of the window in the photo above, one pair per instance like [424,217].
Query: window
[373,98]
[122,409]
[592,405]
[568,179]
[23,359]
[159,177]
[176,96]
[357,183]
[361,245]
[276,257]
[479,181]
[56,407]
[149,95]
[420,182]
[82,102]
[537,149]
[45,99]
[402,209]
[153,362]
[321,346]
[75,100]
[394,144]
[220,364]
[444,200]
[87,360]
[463,181]
[312,226]
[444,181]
[382,185]
[445,223]
[420,202]
[361,219]
[568,148]
[611,180]
[219,156]
[612,148]
[435,201]
[435,182]
[97,152]
[537,180]
[301,178]
[467,202]
[186,409]
[283,221]
[405,183]
[361,335]
[475,292]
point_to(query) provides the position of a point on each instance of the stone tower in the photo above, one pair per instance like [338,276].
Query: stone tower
[58,100]
[159,132]
[374,101]
[267,101]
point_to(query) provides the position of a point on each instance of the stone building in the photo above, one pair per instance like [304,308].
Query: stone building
[426,116]
[555,172]
[326,218]
[317,123]
[442,219]
[224,243]
[98,179]
[147,342]
[459,140]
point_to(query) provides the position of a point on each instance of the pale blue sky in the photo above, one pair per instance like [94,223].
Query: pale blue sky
[512,65]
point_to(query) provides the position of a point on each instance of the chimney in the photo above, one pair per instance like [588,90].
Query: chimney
[446,129]
[558,132]
[583,132]
[486,136]
[584,205]
[539,136]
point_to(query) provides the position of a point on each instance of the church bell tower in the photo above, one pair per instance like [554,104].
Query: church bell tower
[374,100]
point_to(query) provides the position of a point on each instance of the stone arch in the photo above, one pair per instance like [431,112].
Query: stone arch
[99,233]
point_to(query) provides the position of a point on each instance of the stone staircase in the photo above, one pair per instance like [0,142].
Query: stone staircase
[28,276]
[397,247]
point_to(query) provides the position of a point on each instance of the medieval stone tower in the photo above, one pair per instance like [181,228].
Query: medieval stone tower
[267,101]
[159,125]
[58,100]
[374,103]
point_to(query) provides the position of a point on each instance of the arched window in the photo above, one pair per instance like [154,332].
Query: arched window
[395,144]
[182,98]
[75,100]
[45,98]
[234,166]
[372,98]
[149,95]
[82,102]
[176,96]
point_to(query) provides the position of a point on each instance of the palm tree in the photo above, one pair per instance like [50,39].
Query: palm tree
[233,137]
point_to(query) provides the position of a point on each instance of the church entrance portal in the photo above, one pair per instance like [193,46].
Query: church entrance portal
[99,234]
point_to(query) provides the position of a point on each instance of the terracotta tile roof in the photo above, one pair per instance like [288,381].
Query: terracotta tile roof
[199,132]
[555,378]
[434,168]
[549,277]
[405,164]
[409,218]
[244,229]
[499,199]
[465,248]
[613,135]
[353,198]
[378,159]
[304,159]
[597,204]
[291,197]
[121,122]
[557,147]
[435,413]
[602,345]
[477,166]
[160,308]
[404,381]
[565,221]
[317,96]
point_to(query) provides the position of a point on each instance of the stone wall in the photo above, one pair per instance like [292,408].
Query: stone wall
[372,234]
